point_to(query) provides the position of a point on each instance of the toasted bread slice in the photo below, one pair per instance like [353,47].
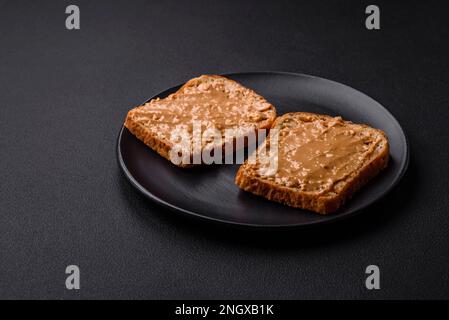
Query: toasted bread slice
[214,101]
[321,161]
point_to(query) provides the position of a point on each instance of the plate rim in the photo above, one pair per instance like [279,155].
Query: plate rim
[331,219]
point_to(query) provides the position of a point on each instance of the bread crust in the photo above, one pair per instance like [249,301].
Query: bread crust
[162,146]
[158,145]
[322,204]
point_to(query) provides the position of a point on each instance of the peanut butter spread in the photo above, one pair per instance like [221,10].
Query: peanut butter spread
[315,155]
[217,103]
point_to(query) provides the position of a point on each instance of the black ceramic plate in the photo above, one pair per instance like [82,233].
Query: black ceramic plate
[209,192]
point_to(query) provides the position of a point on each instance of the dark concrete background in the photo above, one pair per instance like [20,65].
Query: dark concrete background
[64,95]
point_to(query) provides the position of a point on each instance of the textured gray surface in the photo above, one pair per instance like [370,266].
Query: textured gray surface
[64,95]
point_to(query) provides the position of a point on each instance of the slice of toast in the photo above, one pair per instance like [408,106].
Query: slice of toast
[321,161]
[216,102]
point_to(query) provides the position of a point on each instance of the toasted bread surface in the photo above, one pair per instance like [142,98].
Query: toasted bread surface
[216,102]
[321,161]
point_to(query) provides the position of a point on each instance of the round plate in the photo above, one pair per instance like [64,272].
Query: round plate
[209,192]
